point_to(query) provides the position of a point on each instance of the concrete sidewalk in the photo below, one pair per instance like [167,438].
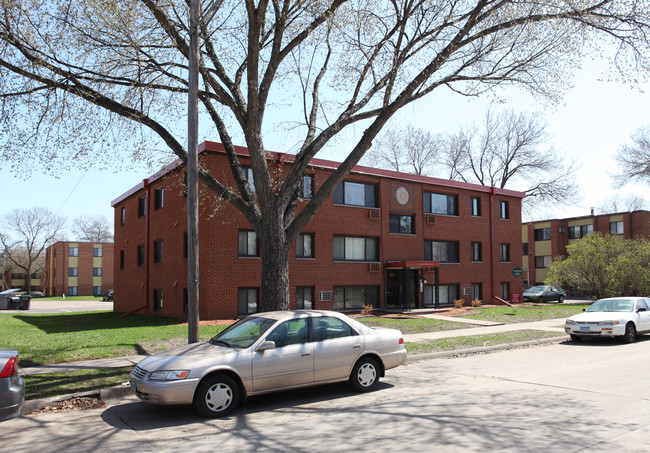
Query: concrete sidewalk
[475,327]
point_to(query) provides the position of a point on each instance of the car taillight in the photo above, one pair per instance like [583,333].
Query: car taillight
[401,341]
[10,368]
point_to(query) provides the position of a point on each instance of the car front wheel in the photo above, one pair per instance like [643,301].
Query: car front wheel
[576,337]
[365,375]
[560,299]
[216,396]
[630,333]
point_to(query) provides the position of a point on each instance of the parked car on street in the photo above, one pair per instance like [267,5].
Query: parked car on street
[14,299]
[12,386]
[108,296]
[266,352]
[36,294]
[544,294]
[614,317]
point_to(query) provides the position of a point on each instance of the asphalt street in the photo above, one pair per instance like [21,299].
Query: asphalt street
[562,397]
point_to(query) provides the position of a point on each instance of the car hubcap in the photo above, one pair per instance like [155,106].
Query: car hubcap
[367,374]
[218,397]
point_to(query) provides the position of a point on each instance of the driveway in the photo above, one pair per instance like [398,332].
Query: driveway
[63,306]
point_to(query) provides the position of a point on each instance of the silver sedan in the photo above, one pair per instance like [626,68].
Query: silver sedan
[267,352]
[12,386]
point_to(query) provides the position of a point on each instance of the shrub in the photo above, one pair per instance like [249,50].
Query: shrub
[477,302]
[459,303]
[367,310]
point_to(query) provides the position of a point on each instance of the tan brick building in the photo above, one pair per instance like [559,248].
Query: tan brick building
[78,269]
[545,240]
[380,240]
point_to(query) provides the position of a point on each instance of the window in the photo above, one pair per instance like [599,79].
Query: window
[157,251]
[97,290]
[355,297]
[356,194]
[248,243]
[73,272]
[304,298]
[616,227]
[295,331]
[448,294]
[580,231]
[157,300]
[140,256]
[477,252]
[248,174]
[121,259]
[347,248]
[328,328]
[73,251]
[442,251]
[477,291]
[505,291]
[475,207]
[158,198]
[142,206]
[543,234]
[305,245]
[525,246]
[504,210]
[98,251]
[542,262]
[247,301]
[505,253]
[97,271]
[122,215]
[306,189]
[401,224]
[440,203]
[73,291]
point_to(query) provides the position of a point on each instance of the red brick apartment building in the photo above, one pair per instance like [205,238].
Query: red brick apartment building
[544,240]
[380,240]
[78,269]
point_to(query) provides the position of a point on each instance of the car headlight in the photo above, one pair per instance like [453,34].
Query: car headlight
[165,375]
[570,321]
[607,323]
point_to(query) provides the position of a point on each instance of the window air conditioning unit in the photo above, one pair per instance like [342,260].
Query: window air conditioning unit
[324,296]
[467,291]
[373,214]
[430,219]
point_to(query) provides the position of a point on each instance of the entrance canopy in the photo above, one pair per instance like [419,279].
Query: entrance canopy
[410,264]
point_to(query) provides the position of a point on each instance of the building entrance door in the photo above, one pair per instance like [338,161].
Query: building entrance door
[402,288]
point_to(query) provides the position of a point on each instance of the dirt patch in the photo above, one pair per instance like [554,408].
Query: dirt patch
[74,404]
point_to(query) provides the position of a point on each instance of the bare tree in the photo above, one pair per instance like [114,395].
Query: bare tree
[79,80]
[616,203]
[27,233]
[634,159]
[508,150]
[408,150]
[93,229]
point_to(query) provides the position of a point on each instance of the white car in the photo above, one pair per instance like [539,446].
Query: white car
[267,352]
[614,317]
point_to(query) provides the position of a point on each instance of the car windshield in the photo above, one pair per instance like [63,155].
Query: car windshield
[243,333]
[612,305]
[536,289]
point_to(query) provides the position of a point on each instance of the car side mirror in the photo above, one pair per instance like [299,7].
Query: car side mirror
[266,346]
[641,309]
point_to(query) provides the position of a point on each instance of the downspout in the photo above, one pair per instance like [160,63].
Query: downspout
[492,242]
[147,227]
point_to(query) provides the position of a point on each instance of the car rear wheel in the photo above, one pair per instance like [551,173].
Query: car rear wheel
[630,333]
[216,396]
[365,375]
[560,299]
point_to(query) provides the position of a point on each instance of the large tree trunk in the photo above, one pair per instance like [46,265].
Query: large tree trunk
[275,267]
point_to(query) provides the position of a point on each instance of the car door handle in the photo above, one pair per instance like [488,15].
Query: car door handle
[356,346]
[306,354]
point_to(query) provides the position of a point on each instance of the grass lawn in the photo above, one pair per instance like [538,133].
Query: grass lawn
[526,313]
[477,341]
[56,338]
